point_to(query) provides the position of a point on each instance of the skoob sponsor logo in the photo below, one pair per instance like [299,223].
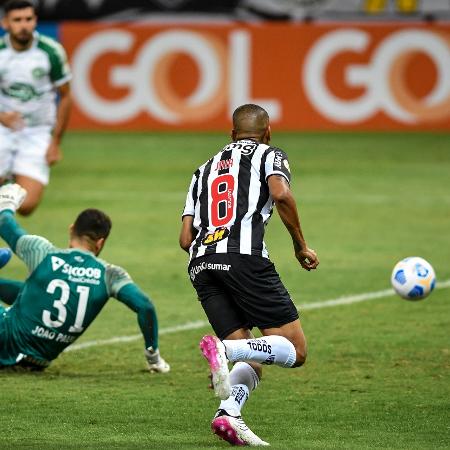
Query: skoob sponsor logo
[76,274]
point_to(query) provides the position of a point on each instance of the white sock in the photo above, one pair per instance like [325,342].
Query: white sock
[243,380]
[266,350]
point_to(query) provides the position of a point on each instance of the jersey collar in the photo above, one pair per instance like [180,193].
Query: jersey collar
[249,141]
[33,44]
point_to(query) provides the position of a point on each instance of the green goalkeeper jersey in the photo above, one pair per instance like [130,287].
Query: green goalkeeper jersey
[63,294]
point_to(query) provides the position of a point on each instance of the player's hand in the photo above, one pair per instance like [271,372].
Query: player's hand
[307,258]
[11,196]
[12,120]
[155,363]
[54,153]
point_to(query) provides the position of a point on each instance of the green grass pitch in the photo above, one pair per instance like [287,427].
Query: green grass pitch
[378,372]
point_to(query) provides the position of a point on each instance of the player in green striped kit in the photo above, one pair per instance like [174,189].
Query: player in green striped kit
[35,101]
[65,290]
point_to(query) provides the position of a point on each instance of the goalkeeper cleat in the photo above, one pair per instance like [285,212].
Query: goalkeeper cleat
[233,430]
[155,363]
[5,256]
[159,367]
[214,352]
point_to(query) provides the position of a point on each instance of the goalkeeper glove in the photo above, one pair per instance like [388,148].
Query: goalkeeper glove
[155,362]
[11,197]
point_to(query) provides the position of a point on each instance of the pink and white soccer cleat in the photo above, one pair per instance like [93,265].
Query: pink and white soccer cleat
[214,352]
[233,430]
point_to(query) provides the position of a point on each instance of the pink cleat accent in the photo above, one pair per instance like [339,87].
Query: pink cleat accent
[223,429]
[235,431]
[214,352]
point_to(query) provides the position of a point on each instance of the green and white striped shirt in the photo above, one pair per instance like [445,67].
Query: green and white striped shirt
[28,79]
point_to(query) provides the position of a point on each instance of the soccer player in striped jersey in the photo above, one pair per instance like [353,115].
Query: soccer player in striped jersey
[65,291]
[33,73]
[228,206]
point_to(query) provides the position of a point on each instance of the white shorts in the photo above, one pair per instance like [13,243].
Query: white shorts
[24,152]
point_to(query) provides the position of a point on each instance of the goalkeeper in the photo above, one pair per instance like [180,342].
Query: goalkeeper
[65,290]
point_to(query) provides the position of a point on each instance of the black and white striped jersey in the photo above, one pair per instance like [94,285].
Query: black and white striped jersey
[230,201]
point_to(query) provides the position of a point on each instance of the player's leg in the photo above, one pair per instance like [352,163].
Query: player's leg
[267,304]
[293,333]
[226,321]
[283,346]
[34,189]
[4,356]
[244,379]
[229,322]
[9,290]
[6,154]
[30,167]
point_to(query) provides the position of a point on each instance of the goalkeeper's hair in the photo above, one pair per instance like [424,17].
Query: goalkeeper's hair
[92,223]
[11,5]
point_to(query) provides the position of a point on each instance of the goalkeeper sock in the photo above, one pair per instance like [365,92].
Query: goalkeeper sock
[243,380]
[267,349]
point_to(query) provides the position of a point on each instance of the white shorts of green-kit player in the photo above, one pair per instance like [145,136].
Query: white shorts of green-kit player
[23,152]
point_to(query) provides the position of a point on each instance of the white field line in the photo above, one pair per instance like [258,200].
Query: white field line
[203,323]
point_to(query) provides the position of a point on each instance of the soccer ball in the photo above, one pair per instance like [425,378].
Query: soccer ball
[413,278]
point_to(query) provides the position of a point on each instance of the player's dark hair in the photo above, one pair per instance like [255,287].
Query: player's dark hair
[250,120]
[249,110]
[93,223]
[10,5]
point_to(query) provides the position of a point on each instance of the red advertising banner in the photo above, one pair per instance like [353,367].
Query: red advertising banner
[308,76]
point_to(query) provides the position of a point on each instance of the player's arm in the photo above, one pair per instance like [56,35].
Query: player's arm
[134,298]
[54,153]
[287,209]
[188,233]
[11,197]
[10,232]
[11,119]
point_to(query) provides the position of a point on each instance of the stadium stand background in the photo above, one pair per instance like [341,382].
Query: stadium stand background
[56,10]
